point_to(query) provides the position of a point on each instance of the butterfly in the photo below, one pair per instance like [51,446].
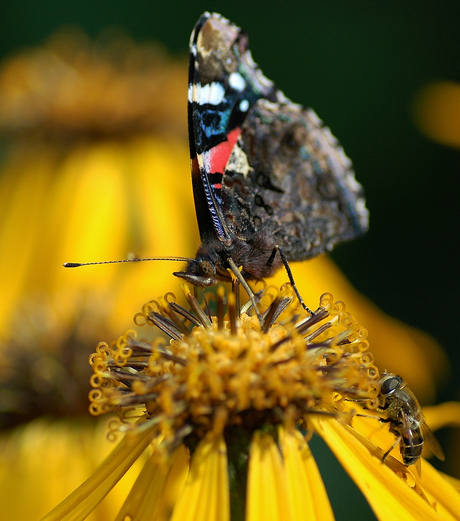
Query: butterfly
[271,183]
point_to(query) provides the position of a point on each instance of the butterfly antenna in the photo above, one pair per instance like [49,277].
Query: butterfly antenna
[78,264]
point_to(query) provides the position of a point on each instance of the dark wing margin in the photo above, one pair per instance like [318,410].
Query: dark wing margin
[205,224]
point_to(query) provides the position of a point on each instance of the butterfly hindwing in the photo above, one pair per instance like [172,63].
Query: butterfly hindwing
[293,182]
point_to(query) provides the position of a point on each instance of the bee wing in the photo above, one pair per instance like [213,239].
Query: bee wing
[432,442]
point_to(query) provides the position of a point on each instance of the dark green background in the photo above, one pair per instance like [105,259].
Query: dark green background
[359,64]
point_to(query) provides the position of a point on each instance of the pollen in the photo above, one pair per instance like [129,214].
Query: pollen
[217,372]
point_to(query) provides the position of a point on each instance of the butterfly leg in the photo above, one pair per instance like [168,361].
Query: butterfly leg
[289,274]
[245,285]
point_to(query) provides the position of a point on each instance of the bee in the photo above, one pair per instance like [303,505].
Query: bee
[406,421]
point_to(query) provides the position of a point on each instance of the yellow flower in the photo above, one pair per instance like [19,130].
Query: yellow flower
[96,153]
[88,126]
[437,112]
[233,393]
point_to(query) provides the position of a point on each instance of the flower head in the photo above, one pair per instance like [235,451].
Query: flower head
[234,373]
[240,397]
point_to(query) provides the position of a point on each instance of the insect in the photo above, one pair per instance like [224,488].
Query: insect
[268,176]
[406,420]
[271,183]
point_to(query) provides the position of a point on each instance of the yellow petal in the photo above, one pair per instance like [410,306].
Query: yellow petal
[21,227]
[387,494]
[453,481]
[441,492]
[206,493]
[443,415]
[174,485]
[88,495]
[305,488]
[267,491]
[149,498]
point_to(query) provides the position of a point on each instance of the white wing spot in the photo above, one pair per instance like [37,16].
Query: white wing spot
[244,105]
[236,81]
[212,93]
[238,161]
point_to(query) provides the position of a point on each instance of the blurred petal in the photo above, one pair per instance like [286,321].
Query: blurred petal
[446,414]
[98,202]
[453,481]
[267,497]
[437,112]
[305,487]
[206,493]
[45,461]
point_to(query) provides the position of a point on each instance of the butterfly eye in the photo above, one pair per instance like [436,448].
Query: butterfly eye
[206,269]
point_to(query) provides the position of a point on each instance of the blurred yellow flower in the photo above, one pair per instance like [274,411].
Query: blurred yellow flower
[437,112]
[232,392]
[43,461]
[96,138]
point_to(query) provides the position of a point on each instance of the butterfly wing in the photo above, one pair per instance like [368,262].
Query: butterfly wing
[263,166]
[224,83]
[289,178]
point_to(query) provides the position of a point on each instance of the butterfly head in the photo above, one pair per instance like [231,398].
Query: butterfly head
[211,263]
[207,268]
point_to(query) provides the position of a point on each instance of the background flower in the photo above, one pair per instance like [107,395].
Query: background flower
[437,112]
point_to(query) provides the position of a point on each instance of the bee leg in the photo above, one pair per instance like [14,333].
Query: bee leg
[385,456]
[373,417]
[289,274]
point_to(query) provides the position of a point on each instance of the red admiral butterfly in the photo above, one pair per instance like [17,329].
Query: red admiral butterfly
[267,175]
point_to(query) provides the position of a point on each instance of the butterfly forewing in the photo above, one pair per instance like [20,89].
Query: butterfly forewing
[224,83]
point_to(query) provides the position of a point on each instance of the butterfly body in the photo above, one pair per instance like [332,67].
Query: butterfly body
[266,173]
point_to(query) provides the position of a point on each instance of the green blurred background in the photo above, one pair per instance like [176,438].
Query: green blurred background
[359,65]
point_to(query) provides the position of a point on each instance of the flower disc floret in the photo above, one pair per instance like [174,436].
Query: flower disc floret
[231,370]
